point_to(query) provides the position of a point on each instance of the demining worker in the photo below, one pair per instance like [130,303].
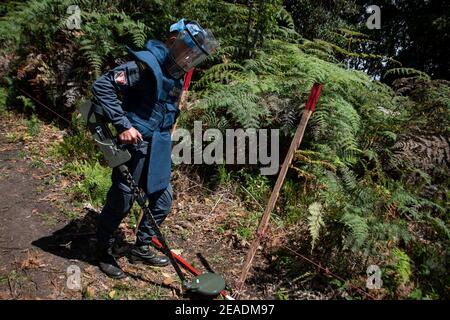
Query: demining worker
[150,87]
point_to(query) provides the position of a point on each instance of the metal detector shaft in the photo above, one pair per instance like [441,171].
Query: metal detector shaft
[140,198]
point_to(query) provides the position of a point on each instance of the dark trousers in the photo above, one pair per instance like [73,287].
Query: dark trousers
[120,199]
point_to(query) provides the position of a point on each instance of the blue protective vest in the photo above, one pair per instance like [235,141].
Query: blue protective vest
[154,115]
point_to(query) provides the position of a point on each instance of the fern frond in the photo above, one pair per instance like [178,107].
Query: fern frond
[315,222]
[358,227]
[408,72]
[403,265]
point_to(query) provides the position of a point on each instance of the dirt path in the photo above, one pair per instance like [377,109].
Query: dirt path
[26,271]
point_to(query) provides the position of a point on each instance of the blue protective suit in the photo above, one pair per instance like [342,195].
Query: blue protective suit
[149,104]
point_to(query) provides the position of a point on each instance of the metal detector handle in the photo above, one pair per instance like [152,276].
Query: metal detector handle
[123,146]
[140,198]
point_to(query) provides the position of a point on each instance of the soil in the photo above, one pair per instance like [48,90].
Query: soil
[26,271]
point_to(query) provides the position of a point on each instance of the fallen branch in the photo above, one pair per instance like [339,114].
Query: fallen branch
[217,202]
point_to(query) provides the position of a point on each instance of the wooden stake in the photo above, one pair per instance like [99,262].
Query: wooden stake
[307,112]
[187,82]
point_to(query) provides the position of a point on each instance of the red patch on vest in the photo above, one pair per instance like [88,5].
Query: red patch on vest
[120,78]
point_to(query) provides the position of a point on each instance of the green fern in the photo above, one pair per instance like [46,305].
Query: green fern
[403,265]
[315,222]
[440,226]
[214,121]
[358,227]
[95,182]
[89,49]
[407,72]
[243,105]
[349,179]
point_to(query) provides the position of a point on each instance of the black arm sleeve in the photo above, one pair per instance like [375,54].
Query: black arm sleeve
[107,88]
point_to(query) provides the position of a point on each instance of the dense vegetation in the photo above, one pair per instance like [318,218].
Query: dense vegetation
[370,181]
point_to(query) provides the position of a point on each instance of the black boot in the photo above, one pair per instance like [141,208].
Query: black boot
[147,256]
[108,263]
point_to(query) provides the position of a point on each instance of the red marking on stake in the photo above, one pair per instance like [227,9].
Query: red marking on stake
[313,96]
[187,79]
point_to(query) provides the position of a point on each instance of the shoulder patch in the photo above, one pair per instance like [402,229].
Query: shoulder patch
[120,77]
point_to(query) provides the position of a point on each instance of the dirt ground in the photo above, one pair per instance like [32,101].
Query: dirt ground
[38,242]
[27,272]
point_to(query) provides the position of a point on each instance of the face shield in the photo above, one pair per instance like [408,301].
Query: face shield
[191,47]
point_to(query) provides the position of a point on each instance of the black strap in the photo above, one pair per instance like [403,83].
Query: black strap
[97,109]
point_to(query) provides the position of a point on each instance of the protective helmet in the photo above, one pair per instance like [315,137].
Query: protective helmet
[192,46]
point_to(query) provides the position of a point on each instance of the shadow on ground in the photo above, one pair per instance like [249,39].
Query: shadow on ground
[76,240]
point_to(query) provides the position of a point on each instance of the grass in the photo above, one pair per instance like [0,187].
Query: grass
[53,151]
[153,293]
[78,145]
[37,163]
[17,277]
[247,225]
[49,219]
[242,226]
[282,294]
[50,181]
[224,176]
[34,150]
[134,215]
[71,214]
[184,215]
[22,154]
[185,234]
[33,125]
[3,97]
[255,189]
[216,259]
[294,214]
[12,137]
[244,232]
[3,279]
[121,291]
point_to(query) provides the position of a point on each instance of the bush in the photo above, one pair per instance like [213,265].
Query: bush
[77,144]
[94,184]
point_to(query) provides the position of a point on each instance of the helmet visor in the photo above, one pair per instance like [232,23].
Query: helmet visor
[192,46]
